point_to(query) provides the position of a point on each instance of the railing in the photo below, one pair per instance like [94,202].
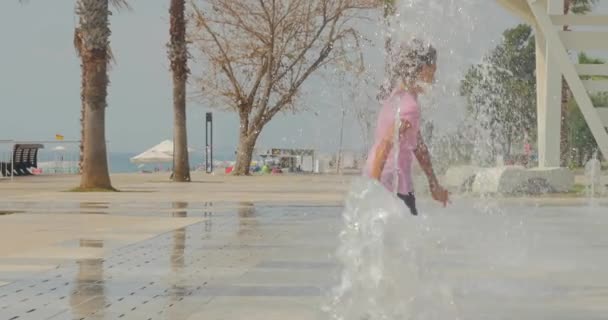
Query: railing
[588,40]
[591,35]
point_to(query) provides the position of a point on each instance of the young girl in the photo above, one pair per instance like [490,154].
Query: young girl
[414,67]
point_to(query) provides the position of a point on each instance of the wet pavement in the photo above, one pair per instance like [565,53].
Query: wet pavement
[266,258]
[261,261]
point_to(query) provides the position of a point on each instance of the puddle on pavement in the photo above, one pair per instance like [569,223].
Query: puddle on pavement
[247,218]
[88,297]
[94,205]
[179,209]
[91,243]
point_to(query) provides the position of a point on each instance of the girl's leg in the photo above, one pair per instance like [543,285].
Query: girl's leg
[410,202]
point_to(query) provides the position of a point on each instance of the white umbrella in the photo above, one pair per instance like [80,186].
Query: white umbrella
[167,147]
[161,153]
[152,156]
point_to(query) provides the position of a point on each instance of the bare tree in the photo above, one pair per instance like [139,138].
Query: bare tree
[259,53]
[178,56]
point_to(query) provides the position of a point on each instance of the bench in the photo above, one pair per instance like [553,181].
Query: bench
[25,158]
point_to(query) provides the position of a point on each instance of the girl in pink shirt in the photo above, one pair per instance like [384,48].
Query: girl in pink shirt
[414,66]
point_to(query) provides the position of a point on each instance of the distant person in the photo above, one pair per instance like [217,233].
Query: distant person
[413,68]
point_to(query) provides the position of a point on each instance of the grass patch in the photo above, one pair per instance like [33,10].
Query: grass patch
[578,189]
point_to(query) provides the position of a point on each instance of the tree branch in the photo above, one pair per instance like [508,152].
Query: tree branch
[225,65]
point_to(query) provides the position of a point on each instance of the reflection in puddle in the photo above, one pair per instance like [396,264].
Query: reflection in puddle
[6,213]
[177,251]
[246,209]
[178,286]
[208,214]
[208,209]
[91,207]
[247,221]
[86,243]
[179,209]
[87,299]
[94,205]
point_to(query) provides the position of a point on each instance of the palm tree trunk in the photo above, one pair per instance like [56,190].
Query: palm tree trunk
[82,116]
[96,32]
[178,55]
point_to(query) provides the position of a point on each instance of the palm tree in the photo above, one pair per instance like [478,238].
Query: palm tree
[92,43]
[79,51]
[92,40]
[78,45]
[178,56]
[576,7]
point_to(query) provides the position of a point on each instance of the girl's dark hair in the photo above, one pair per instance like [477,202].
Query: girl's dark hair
[406,61]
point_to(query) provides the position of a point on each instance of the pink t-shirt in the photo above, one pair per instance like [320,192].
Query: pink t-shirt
[410,111]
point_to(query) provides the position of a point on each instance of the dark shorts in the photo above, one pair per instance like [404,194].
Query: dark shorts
[410,202]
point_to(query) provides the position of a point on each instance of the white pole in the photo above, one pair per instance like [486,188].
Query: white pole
[12,161]
[549,89]
[340,150]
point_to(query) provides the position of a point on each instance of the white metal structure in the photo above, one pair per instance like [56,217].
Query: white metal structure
[553,61]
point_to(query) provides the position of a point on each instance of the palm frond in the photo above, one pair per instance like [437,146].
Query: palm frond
[78,42]
[120,5]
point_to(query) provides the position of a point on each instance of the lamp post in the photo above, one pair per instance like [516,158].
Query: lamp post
[209,142]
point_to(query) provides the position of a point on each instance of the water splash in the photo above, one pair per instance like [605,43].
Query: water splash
[391,260]
[434,266]
[593,177]
[386,253]
[380,274]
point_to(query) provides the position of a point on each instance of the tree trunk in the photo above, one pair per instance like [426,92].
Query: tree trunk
[244,156]
[179,64]
[95,173]
[244,153]
[181,163]
[82,115]
[389,10]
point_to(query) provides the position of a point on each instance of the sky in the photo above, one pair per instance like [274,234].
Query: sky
[40,76]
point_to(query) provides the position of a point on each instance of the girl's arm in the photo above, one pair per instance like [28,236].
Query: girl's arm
[381,155]
[384,149]
[424,158]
